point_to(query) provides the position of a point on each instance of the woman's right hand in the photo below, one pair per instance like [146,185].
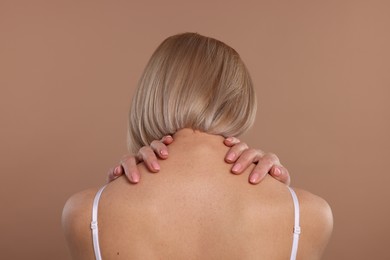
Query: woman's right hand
[240,155]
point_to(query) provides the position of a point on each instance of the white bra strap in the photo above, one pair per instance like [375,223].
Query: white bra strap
[297,228]
[94,224]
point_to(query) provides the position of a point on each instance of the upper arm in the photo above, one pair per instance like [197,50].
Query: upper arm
[316,225]
[76,219]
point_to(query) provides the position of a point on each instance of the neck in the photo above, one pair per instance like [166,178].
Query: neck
[191,135]
[195,143]
[196,148]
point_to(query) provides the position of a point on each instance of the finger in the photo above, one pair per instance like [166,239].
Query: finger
[230,141]
[111,175]
[235,152]
[129,165]
[114,173]
[245,159]
[160,149]
[281,174]
[147,155]
[167,139]
[263,166]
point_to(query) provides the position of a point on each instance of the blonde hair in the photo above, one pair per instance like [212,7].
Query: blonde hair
[191,81]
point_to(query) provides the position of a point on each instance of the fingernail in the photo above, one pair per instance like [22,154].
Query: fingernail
[116,170]
[135,177]
[155,166]
[164,152]
[230,156]
[229,139]
[277,172]
[254,178]
[236,167]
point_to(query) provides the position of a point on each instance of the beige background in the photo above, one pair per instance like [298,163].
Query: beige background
[68,70]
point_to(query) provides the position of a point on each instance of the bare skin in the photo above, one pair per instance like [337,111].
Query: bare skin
[239,155]
[195,209]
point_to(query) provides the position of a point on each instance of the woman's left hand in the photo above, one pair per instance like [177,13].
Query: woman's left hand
[147,154]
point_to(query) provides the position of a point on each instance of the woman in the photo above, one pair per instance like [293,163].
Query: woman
[197,89]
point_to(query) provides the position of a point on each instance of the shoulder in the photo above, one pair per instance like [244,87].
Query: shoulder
[315,206]
[77,205]
[307,198]
[316,221]
[76,218]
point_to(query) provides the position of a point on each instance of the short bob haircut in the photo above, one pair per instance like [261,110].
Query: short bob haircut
[191,81]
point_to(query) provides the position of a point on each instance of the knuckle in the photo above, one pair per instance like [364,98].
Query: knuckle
[272,157]
[165,138]
[265,162]
[155,143]
[251,151]
[260,152]
[148,154]
[240,147]
[144,149]
[126,157]
[235,140]
[244,145]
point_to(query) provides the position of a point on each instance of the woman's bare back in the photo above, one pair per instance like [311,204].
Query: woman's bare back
[194,208]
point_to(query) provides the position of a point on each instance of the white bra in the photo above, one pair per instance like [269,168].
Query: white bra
[95,230]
